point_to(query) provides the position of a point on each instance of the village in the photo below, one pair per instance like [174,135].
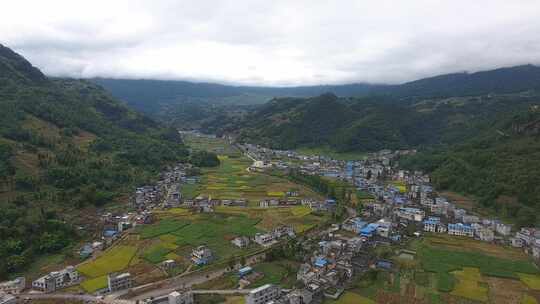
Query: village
[398,205]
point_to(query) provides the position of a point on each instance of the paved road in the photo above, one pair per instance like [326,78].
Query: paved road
[182,282]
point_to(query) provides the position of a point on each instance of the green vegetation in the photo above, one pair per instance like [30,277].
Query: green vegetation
[163,227]
[351,298]
[231,180]
[468,285]
[95,284]
[114,259]
[65,145]
[280,272]
[204,159]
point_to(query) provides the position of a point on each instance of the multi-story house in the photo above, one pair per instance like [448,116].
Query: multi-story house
[262,295]
[119,281]
[201,255]
[460,229]
[56,280]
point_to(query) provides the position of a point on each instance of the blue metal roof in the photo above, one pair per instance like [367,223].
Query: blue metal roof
[321,262]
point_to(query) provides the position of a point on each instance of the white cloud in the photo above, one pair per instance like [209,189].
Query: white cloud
[279,42]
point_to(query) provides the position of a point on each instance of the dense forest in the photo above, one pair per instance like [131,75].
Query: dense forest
[374,123]
[501,169]
[65,145]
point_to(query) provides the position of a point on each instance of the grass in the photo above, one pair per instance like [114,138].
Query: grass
[276,272]
[351,298]
[442,260]
[112,260]
[162,227]
[527,299]
[532,281]
[190,191]
[95,284]
[468,285]
[158,252]
[216,231]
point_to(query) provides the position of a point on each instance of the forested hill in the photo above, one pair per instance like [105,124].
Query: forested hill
[65,145]
[150,95]
[373,123]
[486,146]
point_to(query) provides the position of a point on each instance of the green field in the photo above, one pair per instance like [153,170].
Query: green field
[350,298]
[162,227]
[463,268]
[277,272]
[231,180]
[112,260]
[92,285]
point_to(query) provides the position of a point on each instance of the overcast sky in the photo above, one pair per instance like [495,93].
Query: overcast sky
[276,42]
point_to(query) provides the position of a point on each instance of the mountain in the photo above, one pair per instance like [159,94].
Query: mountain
[485,146]
[500,167]
[66,147]
[372,123]
[188,104]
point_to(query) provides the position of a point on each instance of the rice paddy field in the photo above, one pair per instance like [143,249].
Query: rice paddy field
[178,231]
[232,180]
[448,269]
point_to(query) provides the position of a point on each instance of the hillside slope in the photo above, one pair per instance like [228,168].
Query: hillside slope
[65,145]
[168,100]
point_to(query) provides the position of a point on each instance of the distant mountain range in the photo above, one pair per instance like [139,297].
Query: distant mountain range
[146,94]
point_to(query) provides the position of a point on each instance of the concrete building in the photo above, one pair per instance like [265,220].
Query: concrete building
[119,281]
[181,297]
[201,255]
[411,214]
[263,238]
[503,229]
[263,294]
[241,241]
[56,280]
[15,286]
[460,229]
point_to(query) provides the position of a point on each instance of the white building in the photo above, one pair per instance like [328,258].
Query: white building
[263,294]
[56,280]
[241,241]
[119,281]
[263,238]
[182,297]
[411,214]
[503,229]
[201,255]
[460,229]
[14,286]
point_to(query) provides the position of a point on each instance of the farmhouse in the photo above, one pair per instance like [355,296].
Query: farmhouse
[57,279]
[119,281]
[240,241]
[411,214]
[263,238]
[460,229]
[201,255]
[263,294]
